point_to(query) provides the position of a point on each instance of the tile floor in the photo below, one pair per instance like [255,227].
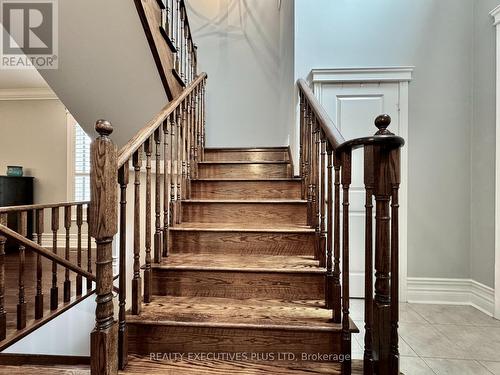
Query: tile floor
[441,339]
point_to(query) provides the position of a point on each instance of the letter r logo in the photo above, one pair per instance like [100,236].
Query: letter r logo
[29,27]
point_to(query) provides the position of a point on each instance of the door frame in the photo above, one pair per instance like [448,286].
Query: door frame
[495,13]
[403,76]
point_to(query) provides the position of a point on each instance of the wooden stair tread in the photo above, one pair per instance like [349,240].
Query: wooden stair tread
[243,263]
[209,162]
[238,313]
[143,365]
[140,365]
[248,201]
[242,227]
[240,179]
[247,149]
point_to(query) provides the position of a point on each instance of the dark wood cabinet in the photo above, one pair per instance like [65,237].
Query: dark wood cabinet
[16,191]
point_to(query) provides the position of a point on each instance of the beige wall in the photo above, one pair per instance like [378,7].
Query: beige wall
[33,134]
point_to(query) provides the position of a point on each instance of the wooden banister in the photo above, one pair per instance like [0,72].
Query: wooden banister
[324,181]
[127,151]
[332,133]
[32,207]
[28,244]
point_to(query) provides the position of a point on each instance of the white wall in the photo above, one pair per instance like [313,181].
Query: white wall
[34,135]
[436,37]
[76,324]
[106,68]
[287,73]
[239,47]
[482,256]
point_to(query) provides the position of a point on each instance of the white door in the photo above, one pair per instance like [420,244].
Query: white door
[353,107]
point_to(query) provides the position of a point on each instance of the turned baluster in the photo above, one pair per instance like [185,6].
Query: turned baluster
[180,165]
[369,177]
[346,334]
[171,13]
[173,167]
[189,145]
[3,313]
[158,246]
[167,19]
[203,105]
[136,281]
[196,131]
[302,115]
[79,223]
[188,60]
[147,268]
[54,290]
[89,249]
[382,303]
[186,48]
[322,212]
[184,135]
[21,305]
[337,292]
[314,194]
[123,180]
[309,166]
[177,37]
[329,300]
[183,43]
[166,185]
[194,135]
[395,182]
[103,210]
[67,226]
[39,225]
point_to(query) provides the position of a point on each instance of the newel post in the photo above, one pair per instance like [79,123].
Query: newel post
[385,304]
[103,227]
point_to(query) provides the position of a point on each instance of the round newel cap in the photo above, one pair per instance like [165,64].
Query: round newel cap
[104,127]
[382,122]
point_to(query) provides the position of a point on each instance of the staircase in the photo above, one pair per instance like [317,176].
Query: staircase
[241,276]
[238,267]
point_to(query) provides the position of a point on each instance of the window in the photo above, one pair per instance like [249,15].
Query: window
[82,165]
[78,161]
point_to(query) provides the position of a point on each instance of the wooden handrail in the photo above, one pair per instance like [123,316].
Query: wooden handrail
[326,123]
[9,209]
[9,233]
[326,163]
[128,150]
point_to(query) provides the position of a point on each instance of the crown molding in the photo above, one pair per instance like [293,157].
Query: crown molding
[495,13]
[374,74]
[28,94]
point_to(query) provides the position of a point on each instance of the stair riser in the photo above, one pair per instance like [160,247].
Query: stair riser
[245,213]
[247,171]
[242,155]
[237,284]
[246,190]
[145,339]
[244,243]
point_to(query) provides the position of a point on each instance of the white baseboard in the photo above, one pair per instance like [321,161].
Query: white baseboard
[452,292]
[61,240]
